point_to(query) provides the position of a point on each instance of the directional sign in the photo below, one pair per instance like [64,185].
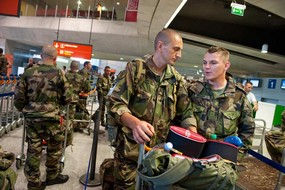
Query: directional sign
[68,49]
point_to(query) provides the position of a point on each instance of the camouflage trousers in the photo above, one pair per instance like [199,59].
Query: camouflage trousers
[102,107]
[53,133]
[275,143]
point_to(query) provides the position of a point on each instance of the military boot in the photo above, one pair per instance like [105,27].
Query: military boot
[32,186]
[58,180]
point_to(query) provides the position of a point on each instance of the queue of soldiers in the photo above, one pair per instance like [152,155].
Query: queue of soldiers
[149,97]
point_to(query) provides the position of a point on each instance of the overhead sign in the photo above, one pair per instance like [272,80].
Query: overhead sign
[237,9]
[10,7]
[67,49]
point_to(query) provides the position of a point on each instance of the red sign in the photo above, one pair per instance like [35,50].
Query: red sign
[67,49]
[10,7]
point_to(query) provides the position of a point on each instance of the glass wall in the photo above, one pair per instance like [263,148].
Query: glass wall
[88,9]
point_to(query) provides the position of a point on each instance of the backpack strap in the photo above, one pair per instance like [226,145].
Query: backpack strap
[140,72]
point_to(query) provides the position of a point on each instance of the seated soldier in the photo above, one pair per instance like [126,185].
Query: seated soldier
[275,141]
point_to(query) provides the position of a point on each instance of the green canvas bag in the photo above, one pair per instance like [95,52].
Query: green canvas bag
[162,171]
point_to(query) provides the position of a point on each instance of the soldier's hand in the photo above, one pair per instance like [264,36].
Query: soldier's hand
[142,132]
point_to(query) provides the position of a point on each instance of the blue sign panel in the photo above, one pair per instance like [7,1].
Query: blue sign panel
[272,83]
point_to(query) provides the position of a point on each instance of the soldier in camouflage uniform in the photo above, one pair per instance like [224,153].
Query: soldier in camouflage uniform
[220,106]
[144,107]
[103,86]
[275,141]
[79,84]
[39,94]
[3,63]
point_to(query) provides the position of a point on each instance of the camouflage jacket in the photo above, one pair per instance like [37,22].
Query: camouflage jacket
[3,64]
[41,91]
[154,99]
[228,114]
[103,84]
[84,72]
[78,82]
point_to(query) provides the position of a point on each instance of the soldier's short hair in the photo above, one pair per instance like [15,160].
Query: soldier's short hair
[49,51]
[164,36]
[224,53]
[1,50]
[74,65]
[86,63]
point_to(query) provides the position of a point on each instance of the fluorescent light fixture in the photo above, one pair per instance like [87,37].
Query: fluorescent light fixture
[264,48]
[238,6]
[175,13]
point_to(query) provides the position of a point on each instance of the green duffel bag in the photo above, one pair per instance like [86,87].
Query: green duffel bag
[164,171]
[8,179]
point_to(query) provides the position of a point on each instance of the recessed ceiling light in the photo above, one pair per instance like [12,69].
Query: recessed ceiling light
[195,66]
[121,59]
[118,3]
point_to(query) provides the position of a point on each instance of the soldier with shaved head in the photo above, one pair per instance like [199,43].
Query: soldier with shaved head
[147,97]
[39,94]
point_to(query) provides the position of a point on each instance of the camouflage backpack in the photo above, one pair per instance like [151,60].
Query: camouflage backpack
[164,171]
[8,176]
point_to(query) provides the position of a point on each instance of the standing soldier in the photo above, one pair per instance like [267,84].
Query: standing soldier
[39,94]
[147,97]
[79,84]
[3,63]
[103,86]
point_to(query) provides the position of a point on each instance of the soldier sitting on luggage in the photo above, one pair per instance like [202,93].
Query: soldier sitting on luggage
[275,141]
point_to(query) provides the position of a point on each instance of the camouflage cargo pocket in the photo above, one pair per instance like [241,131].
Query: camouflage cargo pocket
[107,173]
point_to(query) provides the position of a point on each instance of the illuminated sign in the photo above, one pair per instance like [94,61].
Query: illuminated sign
[67,49]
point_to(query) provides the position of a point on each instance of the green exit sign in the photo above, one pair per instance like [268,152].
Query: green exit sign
[237,11]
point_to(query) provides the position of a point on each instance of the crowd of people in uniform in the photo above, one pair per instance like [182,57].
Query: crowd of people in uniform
[149,97]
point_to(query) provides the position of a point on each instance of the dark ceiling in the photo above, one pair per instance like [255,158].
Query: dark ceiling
[213,18]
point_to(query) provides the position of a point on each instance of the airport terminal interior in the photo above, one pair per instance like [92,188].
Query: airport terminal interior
[114,32]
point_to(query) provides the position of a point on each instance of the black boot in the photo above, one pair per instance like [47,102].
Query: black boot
[58,180]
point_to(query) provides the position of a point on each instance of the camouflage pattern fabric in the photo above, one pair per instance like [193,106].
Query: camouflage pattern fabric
[40,91]
[85,73]
[228,114]
[275,141]
[107,174]
[103,86]
[39,94]
[8,176]
[156,100]
[3,64]
[79,84]
[6,159]
[53,133]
